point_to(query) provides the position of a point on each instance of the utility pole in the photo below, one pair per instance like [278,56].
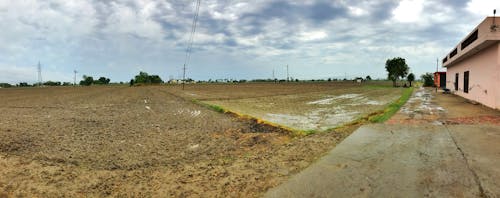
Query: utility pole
[74,78]
[437,63]
[183,76]
[287,74]
[190,42]
[39,74]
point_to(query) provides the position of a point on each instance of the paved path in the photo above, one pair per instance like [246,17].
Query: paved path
[404,161]
[416,155]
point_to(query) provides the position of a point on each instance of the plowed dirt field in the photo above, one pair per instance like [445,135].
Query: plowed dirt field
[140,141]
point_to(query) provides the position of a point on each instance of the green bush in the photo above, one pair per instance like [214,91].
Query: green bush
[428,79]
[5,85]
[87,80]
[145,78]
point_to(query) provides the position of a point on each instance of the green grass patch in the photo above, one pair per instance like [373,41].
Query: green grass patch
[210,106]
[393,107]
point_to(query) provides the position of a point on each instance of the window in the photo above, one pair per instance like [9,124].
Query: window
[456,82]
[453,53]
[445,59]
[469,40]
[466,82]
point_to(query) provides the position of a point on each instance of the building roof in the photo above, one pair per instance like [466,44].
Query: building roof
[484,35]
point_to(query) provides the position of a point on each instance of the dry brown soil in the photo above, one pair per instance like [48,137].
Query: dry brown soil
[144,141]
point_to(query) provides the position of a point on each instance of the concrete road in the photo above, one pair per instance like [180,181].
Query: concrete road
[405,161]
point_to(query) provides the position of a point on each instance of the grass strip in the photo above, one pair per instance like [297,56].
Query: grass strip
[378,116]
[392,108]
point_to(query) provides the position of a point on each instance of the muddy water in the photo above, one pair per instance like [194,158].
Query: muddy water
[328,112]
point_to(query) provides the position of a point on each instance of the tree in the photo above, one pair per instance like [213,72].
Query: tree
[428,79]
[368,78]
[145,78]
[5,85]
[103,81]
[87,80]
[410,78]
[52,83]
[24,84]
[396,68]
[155,79]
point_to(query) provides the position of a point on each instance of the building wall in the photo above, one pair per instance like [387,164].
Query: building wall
[484,76]
[497,83]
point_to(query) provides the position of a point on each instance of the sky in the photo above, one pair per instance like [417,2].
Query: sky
[234,39]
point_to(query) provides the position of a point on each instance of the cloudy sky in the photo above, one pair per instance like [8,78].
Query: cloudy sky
[235,39]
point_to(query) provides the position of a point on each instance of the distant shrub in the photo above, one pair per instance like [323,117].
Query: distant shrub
[428,79]
[24,84]
[87,80]
[145,78]
[51,83]
[5,85]
[102,81]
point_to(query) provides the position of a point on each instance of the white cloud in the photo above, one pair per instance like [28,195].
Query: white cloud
[408,11]
[356,11]
[483,7]
[313,35]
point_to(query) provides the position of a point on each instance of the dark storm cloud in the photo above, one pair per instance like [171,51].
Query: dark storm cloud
[382,11]
[293,14]
[323,11]
[214,26]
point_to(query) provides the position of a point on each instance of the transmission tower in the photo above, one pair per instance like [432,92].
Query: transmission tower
[39,74]
[190,43]
[287,74]
[74,78]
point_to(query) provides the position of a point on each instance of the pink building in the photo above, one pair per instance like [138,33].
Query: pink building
[473,66]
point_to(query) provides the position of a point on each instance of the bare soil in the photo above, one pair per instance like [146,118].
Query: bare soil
[258,90]
[143,141]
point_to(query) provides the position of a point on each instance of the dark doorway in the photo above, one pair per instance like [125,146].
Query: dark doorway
[456,82]
[466,82]
[442,80]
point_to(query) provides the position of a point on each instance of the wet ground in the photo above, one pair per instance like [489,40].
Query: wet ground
[428,106]
[437,145]
[314,111]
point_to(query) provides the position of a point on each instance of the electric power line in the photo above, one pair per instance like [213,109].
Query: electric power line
[190,42]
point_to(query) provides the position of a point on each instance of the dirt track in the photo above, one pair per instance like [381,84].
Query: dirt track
[139,141]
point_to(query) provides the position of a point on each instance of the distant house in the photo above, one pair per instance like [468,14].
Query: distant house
[473,66]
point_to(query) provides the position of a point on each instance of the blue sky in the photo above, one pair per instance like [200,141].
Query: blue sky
[235,39]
